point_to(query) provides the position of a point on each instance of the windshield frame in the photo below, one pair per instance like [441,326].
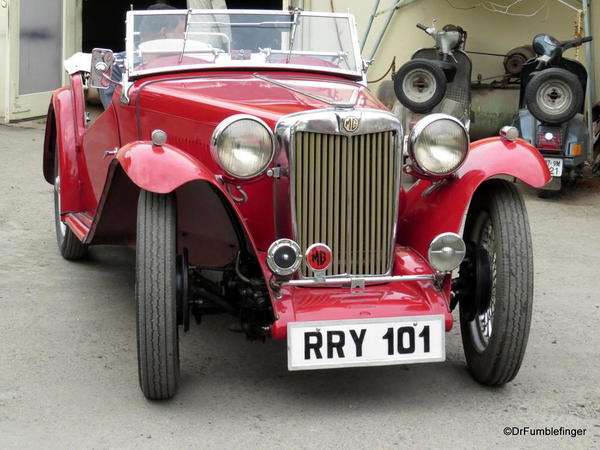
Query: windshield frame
[129,44]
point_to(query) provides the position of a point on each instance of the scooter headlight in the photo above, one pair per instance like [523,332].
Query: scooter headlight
[438,145]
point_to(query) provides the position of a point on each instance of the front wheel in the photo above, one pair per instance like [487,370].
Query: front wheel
[69,245]
[496,330]
[156,295]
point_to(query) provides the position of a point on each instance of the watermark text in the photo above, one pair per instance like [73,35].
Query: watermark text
[544,431]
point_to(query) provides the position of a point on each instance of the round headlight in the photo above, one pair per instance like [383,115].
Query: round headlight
[438,145]
[243,145]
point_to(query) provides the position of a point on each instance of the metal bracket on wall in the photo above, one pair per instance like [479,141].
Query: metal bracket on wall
[390,11]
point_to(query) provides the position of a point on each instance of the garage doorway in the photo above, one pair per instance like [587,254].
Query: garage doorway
[35,38]
[104,20]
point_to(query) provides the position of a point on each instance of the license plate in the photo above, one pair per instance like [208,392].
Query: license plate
[555,166]
[369,342]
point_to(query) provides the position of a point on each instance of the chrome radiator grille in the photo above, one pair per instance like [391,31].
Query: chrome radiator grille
[345,193]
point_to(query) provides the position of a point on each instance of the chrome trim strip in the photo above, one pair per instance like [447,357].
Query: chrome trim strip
[330,121]
[357,49]
[367,280]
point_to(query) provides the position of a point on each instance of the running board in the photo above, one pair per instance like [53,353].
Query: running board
[80,223]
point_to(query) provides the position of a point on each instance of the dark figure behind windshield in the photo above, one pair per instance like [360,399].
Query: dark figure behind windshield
[152,27]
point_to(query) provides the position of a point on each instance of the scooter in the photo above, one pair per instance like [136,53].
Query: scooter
[436,80]
[596,138]
[551,106]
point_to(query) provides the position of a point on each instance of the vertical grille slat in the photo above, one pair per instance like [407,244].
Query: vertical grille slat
[372,217]
[366,254]
[316,186]
[324,188]
[360,214]
[354,206]
[331,190]
[335,242]
[344,176]
[390,180]
[386,212]
[379,228]
[345,189]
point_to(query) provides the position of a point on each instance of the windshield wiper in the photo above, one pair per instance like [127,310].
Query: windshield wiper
[296,13]
[350,104]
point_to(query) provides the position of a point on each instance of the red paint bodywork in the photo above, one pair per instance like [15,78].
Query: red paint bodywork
[99,191]
[161,169]
[414,298]
[444,208]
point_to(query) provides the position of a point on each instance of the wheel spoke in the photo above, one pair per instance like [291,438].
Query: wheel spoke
[482,325]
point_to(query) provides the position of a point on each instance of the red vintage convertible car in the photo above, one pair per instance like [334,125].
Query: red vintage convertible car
[256,175]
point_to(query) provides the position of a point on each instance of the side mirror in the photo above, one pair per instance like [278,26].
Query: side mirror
[101,70]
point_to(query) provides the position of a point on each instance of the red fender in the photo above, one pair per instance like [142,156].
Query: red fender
[161,169]
[67,116]
[445,208]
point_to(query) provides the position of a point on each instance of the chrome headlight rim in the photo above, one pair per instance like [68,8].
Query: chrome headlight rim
[217,133]
[413,138]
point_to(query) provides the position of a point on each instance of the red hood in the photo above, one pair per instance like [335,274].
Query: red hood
[189,107]
[208,98]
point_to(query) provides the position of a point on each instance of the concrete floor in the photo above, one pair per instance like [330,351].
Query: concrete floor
[68,376]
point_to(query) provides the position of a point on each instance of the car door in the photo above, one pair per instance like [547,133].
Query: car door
[100,142]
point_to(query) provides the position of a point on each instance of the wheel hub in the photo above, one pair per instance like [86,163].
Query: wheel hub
[554,97]
[474,287]
[419,85]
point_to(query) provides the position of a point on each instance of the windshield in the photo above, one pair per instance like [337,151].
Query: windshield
[159,41]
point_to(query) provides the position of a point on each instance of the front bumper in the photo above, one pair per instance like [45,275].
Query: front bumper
[385,299]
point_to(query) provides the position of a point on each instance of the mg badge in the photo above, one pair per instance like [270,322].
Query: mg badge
[318,257]
[350,124]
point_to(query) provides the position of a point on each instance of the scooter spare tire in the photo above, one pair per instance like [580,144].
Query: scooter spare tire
[420,85]
[554,95]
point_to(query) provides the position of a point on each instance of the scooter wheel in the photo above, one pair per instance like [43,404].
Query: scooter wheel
[420,85]
[554,95]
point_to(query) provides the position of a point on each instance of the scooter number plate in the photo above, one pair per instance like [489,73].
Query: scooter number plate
[555,166]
